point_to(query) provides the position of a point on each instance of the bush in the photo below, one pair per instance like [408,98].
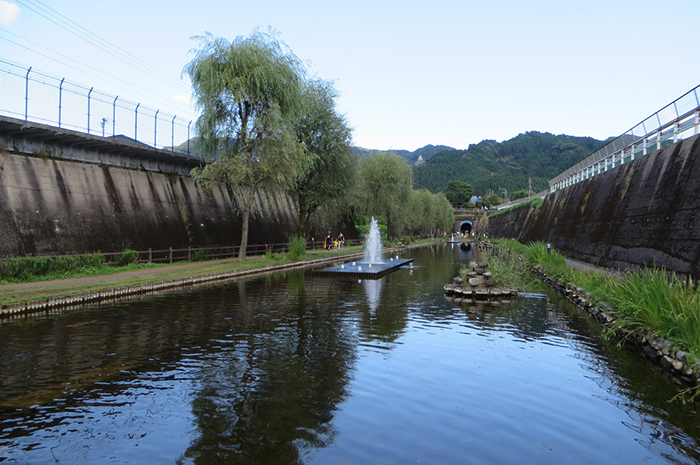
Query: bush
[406,240]
[297,247]
[24,268]
[127,257]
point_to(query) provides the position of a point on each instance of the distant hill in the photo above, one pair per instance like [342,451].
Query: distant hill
[490,166]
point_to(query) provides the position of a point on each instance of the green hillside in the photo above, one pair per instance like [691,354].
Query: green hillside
[488,166]
[492,166]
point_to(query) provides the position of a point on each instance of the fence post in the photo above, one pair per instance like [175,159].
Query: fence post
[675,132]
[114,116]
[136,122]
[88,115]
[188,137]
[26,95]
[150,255]
[189,253]
[172,135]
[171,254]
[155,129]
[60,100]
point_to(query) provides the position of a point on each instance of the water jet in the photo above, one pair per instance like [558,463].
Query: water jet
[373,266]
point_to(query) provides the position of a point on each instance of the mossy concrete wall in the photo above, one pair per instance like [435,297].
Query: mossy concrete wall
[642,213]
[52,206]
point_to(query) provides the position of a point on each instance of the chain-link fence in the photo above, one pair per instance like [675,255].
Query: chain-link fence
[678,120]
[33,96]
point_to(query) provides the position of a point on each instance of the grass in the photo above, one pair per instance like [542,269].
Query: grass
[651,299]
[83,281]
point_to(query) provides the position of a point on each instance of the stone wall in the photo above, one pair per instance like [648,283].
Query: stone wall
[644,212]
[50,206]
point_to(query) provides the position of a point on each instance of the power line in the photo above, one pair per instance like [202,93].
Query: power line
[150,95]
[74,28]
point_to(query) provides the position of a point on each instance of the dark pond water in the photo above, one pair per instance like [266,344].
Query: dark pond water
[292,368]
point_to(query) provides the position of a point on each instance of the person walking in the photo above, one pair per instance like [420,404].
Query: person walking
[329,240]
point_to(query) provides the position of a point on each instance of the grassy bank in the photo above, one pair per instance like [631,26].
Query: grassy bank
[649,299]
[81,281]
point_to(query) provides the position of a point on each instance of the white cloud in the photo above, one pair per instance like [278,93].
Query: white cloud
[8,12]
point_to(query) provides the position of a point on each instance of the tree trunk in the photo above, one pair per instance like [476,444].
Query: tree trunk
[247,206]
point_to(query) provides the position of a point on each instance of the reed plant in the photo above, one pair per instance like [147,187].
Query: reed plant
[651,298]
[654,298]
[537,254]
[509,272]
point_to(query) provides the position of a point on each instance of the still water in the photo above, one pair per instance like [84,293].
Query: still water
[292,368]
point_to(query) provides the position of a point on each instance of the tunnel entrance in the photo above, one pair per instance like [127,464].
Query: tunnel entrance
[465,227]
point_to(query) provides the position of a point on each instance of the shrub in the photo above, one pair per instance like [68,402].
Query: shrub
[23,268]
[297,247]
[127,257]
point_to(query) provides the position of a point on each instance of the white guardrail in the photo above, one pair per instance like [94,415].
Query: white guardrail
[678,120]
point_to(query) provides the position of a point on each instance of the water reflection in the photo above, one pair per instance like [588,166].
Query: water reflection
[292,369]
[373,289]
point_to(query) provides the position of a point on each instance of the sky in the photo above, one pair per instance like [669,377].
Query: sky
[408,73]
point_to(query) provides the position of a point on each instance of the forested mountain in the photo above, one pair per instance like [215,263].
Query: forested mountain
[492,166]
[488,166]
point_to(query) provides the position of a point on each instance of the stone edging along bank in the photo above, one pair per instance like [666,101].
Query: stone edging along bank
[22,309]
[684,368]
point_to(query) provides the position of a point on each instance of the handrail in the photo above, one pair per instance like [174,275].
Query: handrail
[666,126]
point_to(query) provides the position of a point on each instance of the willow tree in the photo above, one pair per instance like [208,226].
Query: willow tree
[325,134]
[384,187]
[249,92]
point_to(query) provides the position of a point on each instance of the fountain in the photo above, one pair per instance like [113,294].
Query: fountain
[373,266]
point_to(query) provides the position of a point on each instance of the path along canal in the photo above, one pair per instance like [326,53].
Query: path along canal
[291,368]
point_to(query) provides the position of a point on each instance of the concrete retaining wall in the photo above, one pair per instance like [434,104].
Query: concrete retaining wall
[50,205]
[644,212]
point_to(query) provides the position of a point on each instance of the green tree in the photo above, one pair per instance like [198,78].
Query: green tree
[490,200]
[250,96]
[444,214]
[521,194]
[383,188]
[458,192]
[325,134]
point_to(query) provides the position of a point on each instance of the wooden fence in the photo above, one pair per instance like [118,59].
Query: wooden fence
[191,254]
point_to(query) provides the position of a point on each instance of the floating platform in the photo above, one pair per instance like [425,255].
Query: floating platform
[362,270]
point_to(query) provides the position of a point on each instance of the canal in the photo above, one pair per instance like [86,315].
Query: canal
[292,368]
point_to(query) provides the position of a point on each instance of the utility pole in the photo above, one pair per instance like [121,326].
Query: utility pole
[529,188]
[505,194]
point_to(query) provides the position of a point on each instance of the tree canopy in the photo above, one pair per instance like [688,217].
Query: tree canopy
[384,186]
[459,192]
[326,135]
[249,92]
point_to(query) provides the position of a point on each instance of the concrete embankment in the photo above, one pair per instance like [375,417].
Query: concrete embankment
[56,206]
[642,213]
